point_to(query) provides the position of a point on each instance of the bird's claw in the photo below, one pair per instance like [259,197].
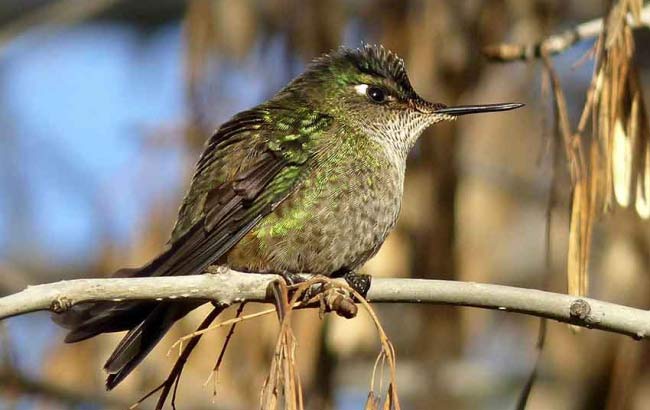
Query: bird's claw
[332,298]
[292,279]
[359,282]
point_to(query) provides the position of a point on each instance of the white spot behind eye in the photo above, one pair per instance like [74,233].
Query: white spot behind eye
[361,89]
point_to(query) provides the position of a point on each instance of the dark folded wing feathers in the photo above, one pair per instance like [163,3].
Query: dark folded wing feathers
[227,212]
[231,209]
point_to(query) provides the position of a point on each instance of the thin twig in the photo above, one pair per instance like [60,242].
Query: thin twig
[226,342]
[175,374]
[388,352]
[556,43]
[233,321]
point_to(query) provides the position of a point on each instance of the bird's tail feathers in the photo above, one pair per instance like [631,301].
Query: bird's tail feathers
[146,321]
[140,340]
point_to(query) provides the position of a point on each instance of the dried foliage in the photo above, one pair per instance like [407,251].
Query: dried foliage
[610,165]
[617,110]
[282,388]
[582,212]
[607,153]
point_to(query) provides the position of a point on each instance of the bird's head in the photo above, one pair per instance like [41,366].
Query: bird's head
[368,88]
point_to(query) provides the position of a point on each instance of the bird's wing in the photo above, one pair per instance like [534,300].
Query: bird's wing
[248,168]
[250,165]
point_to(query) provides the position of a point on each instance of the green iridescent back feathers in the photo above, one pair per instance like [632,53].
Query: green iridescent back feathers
[290,124]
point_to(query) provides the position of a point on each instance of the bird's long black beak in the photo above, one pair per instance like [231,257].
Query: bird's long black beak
[475,109]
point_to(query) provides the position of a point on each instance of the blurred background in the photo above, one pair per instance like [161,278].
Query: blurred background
[105,106]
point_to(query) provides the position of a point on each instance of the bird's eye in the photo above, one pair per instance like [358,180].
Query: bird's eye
[376,94]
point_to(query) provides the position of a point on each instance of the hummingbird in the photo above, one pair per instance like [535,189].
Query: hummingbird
[310,181]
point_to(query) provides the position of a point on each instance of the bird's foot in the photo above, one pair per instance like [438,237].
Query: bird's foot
[359,282]
[294,279]
[331,298]
[291,278]
[217,269]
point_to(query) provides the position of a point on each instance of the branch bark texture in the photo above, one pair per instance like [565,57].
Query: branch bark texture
[228,286]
